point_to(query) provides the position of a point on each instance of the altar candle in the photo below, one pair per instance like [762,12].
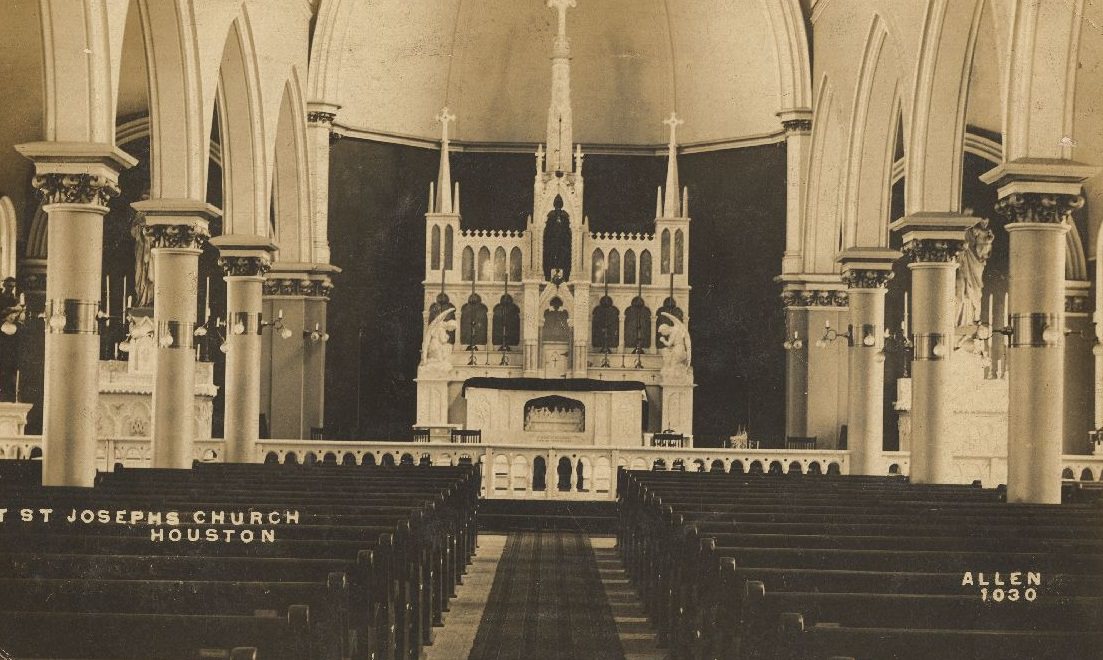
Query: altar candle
[107,295]
[990,303]
[129,302]
[1007,307]
[124,295]
[904,322]
[17,386]
[207,302]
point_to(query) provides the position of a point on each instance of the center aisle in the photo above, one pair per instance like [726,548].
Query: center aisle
[548,600]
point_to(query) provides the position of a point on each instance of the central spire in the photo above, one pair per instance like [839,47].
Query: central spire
[671,207]
[560,137]
[444,172]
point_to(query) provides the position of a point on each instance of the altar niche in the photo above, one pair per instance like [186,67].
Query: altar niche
[556,414]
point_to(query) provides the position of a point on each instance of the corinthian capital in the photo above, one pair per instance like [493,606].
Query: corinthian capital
[186,236]
[867,278]
[1047,208]
[57,188]
[932,250]
[245,266]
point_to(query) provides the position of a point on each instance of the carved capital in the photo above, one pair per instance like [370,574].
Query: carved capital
[932,250]
[75,189]
[176,236]
[320,117]
[296,286]
[815,298]
[1047,208]
[245,266]
[796,126]
[867,278]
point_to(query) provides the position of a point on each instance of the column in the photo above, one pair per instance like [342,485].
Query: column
[866,272]
[245,259]
[177,230]
[931,244]
[1038,214]
[319,118]
[797,124]
[293,370]
[76,182]
[1079,362]
[816,377]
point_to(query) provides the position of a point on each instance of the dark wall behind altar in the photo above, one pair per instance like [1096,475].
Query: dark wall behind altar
[378,197]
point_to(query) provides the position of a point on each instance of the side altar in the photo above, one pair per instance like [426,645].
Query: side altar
[555,333]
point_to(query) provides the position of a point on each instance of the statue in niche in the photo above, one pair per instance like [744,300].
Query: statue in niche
[143,266]
[436,349]
[674,337]
[971,261]
[557,244]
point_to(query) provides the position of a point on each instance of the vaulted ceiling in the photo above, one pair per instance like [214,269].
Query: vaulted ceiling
[633,61]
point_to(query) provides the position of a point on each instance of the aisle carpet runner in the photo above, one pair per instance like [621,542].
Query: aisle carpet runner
[547,602]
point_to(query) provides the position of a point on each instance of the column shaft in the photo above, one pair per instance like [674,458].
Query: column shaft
[1036,362]
[932,313]
[243,309]
[69,411]
[176,276]
[865,408]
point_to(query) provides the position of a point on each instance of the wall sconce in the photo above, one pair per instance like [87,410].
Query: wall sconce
[278,326]
[831,334]
[794,344]
[316,335]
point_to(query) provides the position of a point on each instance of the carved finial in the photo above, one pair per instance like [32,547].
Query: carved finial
[445,118]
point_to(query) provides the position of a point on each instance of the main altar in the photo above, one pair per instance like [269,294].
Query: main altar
[556,333]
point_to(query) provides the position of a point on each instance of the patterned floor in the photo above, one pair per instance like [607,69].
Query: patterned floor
[547,602]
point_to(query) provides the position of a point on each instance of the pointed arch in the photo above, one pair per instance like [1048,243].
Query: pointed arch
[645,267]
[484,263]
[500,271]
[822,239]
[467,264]
[328,48]
[449,240]
[179,110]
[937,125]
[291,177]
[244,171]
[597,267]
[515,259]
[793,62]
[629,267]
[434,248]
[875,112]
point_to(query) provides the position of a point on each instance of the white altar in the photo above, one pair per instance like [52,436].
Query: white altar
[585,413]
[126,390]
[979,427]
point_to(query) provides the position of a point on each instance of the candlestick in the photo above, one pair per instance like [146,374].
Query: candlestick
[116,351]
[124,295]
[17,386]
[107,295]
[904,321]
[1007,307]
[129,304]
[990,303]
[207,302]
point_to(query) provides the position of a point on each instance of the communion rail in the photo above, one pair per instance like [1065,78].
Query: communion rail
[525,472]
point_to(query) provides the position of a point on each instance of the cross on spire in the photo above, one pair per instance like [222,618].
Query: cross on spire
[561,6]
[445,118]
[673,121]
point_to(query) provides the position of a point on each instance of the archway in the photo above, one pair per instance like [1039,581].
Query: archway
[564,472]
[539,474]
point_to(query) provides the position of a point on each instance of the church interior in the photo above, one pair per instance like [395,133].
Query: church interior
[677,329]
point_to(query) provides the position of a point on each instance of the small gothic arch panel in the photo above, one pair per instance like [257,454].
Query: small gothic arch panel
[597,267]
[484,263]
[434,248]
[605,328]
[679,252]
[645,267]
[515,265]
[664,252]
[467,264]
[473,322]
[637,325]
[507,323]
[629,267]
[613,268]
[500,264]
[448,239]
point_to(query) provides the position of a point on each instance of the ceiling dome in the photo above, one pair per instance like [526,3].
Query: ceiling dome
[633,61]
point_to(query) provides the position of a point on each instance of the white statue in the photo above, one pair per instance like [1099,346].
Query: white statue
[969,284]
[143,268]
[436,350]
[675,338]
